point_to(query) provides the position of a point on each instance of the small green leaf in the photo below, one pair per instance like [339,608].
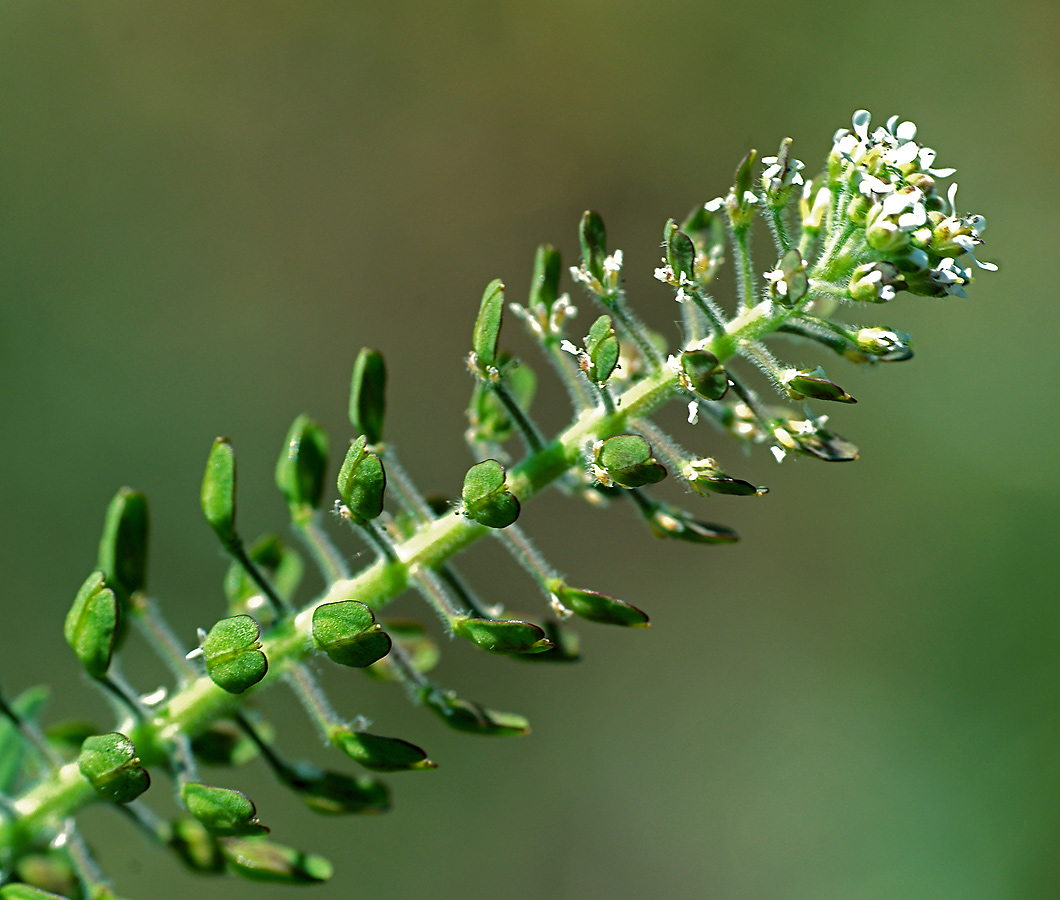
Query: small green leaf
[197,848]
[488,324]
[222,811]
[347,632]
[601,346]
[259,860]
[233,655]
[510,636]
[123,547]
[368,395]
[335,793]
[110,763]
[486,499]
[626,460]
[465,715]
[596,607]
[92,624]
[12,745]
[544,285]
[593,238]
[219,491]
[680,252]
[378,753]
[702,374]
[302,466]
[362,482]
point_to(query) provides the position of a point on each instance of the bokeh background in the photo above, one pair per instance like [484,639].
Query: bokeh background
[207,208]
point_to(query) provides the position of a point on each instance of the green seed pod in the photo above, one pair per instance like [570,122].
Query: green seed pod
[626,460]
[368,395]
[705,477]
[362,482]
[259,860]
[813,384]
[544,285]
[596,607]
[593,238]
[680,253]
[233,655]
[92,625]
[347,632]
[486,498]
[380,754]
[199,850]
[302,467]
[702,374]
[27,892]
[110,763]
[601,346]
[123,547]
[488,325]
[219,492]
[223,812]
[464,715]
[335,793]
[667,521]
[510,636]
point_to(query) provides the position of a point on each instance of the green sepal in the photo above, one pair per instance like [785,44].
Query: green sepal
[280,563]
[91,625]
[680,253]
[378,753]
[813,384]
[702,374]
[419,648]
[123,546]
[219,492]
[27,892]
[544,285]
[199,850]
[368,395]
[223,744]
[626,460]
[233,655]
[335,793]
[259,860]
[486,499]
[12,745]
[593,239]
[488,325]
[510,636]
[741,211]
[347,632]
[302,466]
[671,522]
[110,764]
[467,716]
[597,607]
[222,811]
[601,346]
[362,482]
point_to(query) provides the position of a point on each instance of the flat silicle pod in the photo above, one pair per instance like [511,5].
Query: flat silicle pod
[110,763]
[702,374]
[218,496]
[601,346]
[466,715]
[488,325]
[302,466]
[378,753]
[626,460]
[511,636]
[597,607]
[222,811]
[91,625]
[347,632]
[362,482]
[233,655]
[260,860]
[486,498]
[368,395]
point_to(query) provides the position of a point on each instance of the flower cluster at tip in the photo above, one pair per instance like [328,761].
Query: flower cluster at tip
[873,223]
[887,187]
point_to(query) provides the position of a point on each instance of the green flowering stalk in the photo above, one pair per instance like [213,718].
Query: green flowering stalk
[874,223]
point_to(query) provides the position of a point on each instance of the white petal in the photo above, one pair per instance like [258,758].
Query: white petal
[906,131]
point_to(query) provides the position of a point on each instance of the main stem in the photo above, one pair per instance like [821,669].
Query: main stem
[58,795]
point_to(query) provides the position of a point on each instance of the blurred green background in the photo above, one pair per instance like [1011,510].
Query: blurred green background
[207,208]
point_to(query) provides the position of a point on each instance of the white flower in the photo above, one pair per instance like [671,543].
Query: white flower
[613,263]
[693,412]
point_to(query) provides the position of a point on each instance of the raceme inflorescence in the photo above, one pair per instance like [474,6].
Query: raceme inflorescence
[875,222]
